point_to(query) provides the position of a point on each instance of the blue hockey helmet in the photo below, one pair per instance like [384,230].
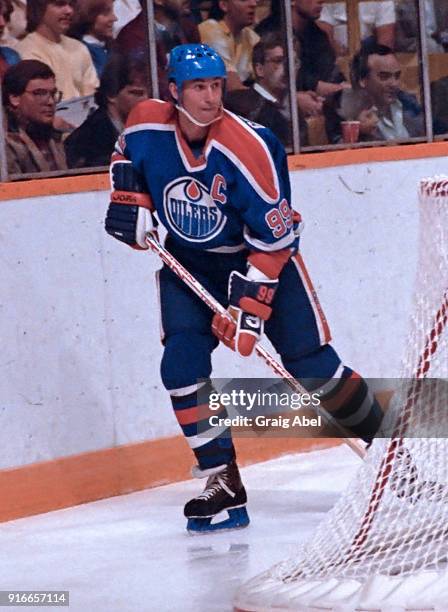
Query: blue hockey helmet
[194,61]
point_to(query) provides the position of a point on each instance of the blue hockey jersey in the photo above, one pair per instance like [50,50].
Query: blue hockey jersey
[235,194]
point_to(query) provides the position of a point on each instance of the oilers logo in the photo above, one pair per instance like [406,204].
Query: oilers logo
[190,210]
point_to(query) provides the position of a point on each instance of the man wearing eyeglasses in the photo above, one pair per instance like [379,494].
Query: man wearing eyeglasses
[30,96]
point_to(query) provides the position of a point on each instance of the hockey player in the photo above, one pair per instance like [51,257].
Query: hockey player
[220,186]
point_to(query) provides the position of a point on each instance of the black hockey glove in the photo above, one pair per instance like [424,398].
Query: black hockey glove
[129,216]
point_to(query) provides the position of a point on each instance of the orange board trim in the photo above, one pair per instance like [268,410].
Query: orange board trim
[304,161]
[386,153]
[77,479]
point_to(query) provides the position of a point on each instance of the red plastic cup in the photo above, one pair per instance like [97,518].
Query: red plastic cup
[350,131]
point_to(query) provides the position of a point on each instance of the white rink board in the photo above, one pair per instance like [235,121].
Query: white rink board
[360,244]
[79,370]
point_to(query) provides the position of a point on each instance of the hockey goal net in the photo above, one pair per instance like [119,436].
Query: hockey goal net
[384,545]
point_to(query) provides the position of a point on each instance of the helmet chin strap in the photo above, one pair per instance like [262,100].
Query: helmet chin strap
[195,121]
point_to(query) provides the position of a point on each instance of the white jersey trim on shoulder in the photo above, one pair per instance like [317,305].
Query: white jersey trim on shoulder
[248,175]
[245,170]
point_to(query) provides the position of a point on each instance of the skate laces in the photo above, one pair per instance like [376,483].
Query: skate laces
[216,483]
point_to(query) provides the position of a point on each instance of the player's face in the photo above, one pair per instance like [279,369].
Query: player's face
[240,12]
[383,80]
[309,9]
[104,23]
[58,16]
[37,104]
[272,73]
[202,98]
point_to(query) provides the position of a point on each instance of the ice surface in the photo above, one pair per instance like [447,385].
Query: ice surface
[132,553]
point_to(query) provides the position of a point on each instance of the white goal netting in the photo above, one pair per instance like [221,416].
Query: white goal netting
[384,545]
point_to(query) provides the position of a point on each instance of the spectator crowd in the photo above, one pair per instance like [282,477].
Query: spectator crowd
[72,70]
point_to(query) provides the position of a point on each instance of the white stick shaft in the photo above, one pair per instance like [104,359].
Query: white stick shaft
[214,305]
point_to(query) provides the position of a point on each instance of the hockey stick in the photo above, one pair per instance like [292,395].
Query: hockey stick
[191,282]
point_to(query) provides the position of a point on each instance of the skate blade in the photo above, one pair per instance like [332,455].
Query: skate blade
[238,519]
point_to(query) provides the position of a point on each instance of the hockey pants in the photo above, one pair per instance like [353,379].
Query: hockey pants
[297,329]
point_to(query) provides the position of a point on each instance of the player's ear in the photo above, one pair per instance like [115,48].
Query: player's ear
[173,90]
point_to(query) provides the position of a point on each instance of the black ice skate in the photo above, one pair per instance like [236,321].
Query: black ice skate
[223,491]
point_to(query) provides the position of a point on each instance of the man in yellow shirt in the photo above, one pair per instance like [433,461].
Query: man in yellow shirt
[229,32]
[47,23]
